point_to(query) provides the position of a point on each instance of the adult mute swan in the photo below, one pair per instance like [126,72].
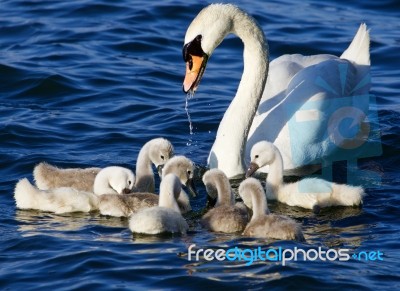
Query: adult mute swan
[310,193]
[225,216]
[66,199]
[292,111]
[264,224]
[164,218]
[156,151]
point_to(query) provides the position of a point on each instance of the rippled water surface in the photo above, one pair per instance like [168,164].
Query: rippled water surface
[87,83]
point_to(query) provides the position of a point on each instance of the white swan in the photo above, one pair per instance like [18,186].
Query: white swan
[156,151]
[262,223]
[66,199]
[164,218]
[310,193]
[126,205]
[225,216]
[299,89]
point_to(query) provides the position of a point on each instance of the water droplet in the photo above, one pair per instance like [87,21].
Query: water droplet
[189,96]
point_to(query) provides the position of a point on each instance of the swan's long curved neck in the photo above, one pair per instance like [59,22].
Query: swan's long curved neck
[229,147]
[167,197]
[259,204]
[224,193]
[144,172]
[275,174]
[102,186]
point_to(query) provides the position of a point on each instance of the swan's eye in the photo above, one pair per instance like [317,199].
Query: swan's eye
[162,157]
[189,172]
[129,182]
[256,156]
[192,48]
[190,64]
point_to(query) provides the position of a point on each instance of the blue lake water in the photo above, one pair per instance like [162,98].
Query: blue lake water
[87,83]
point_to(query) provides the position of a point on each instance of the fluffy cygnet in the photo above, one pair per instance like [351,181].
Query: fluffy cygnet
[225,216]
[156,151]
[125,205]
[117,205]
[50,177]
[67,199]
[114,180]
[183,168]
[164,218]
[310,193]
[262,223]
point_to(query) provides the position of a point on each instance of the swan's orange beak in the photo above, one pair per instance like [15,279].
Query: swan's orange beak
[195,68]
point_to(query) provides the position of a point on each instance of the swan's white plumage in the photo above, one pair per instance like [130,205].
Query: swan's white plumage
[67,199]
[306,193]
[291,84]
[264,224]
[164,218]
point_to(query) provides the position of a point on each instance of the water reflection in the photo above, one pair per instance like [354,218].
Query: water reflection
[71,226]
[332,227]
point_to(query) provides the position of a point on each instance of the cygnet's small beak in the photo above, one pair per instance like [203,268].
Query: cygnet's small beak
[251,170]
[159,170]
[211,201]
[190,185]
[126,191]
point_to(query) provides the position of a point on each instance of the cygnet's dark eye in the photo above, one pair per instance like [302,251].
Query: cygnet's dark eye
[189,172]
[162,157]
[256,156]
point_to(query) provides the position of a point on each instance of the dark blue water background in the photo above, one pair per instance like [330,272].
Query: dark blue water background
[87,83]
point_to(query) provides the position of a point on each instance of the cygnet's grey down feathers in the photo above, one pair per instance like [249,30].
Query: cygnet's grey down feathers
[225,216]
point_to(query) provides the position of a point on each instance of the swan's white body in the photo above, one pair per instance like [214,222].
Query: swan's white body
[126,205]
[307,193]
[67,199]
[225,216]
[164,218]
[262,223]
[156,151]
[299,89]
